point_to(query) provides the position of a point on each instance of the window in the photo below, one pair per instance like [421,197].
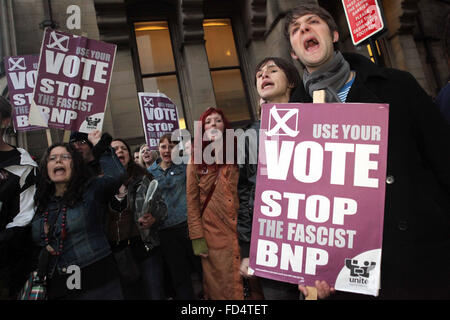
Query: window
[225,69]
[157,66]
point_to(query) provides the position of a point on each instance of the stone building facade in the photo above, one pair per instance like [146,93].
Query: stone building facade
[202,53]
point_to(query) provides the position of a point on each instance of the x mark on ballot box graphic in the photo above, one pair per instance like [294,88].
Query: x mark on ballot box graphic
[148,102]
[279,125]
[58,41]
[16,64]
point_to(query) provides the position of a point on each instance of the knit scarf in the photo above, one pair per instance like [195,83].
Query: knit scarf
[331,77]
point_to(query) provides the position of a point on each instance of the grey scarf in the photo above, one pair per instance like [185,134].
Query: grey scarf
[330,77]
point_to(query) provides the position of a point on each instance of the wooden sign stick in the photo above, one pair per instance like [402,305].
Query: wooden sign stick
[66,136]
[318,97]
[49,137]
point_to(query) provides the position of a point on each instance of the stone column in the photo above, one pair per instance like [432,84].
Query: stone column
[401,19]
[195,77]
[253,16]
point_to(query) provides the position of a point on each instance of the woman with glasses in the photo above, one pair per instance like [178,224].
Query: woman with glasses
[147,156]
[68,227]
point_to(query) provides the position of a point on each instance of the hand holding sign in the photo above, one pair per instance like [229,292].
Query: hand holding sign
[243,269]
[322,287]
[95,136]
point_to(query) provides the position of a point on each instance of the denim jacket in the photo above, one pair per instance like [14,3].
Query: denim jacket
[86,241]
[172,184]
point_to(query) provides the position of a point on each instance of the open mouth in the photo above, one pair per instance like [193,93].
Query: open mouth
[267,84]
[59,171]
[311,43]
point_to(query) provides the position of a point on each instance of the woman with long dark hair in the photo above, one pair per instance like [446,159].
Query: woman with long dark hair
[213,203]
[127,228]
[68,223]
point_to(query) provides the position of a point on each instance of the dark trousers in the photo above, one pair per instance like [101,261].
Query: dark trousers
[150,285]
[176,249]
[108,291]
[277,290]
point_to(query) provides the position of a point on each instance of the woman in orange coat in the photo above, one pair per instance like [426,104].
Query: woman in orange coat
[213,204]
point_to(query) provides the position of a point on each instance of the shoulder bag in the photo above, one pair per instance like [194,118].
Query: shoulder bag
[35,288]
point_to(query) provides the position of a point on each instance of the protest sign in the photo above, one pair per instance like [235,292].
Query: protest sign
[72,83]
[319,200]
[21,74]
[159,116]
[364,19]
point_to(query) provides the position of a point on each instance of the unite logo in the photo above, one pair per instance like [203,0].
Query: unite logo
[285,124]
[92,122]
[359,274]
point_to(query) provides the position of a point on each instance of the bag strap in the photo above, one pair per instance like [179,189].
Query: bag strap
[211,191]
[42,264]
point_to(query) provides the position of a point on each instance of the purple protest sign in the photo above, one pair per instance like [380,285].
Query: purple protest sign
[159,116]
[319,200]
[21,74]
[72,83]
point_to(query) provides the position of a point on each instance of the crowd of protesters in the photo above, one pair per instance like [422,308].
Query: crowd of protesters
[87,204]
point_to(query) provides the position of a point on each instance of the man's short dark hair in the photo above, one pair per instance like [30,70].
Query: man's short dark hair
[303,9]
[288,68]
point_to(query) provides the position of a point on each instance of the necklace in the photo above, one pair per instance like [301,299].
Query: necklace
[63,236]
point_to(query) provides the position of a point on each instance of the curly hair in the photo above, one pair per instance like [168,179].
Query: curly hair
[76,185]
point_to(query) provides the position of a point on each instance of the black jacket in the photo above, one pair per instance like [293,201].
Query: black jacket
[246,192]
[18,174]
[416,238]
[104,144]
